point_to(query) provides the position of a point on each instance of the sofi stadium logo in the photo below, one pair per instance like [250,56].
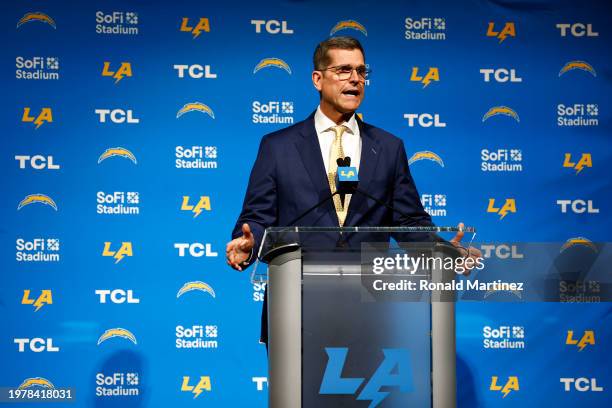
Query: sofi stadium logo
[503,337]
[197,337]
[508,207]
[425,76]
[578,164]
[37,301]
[505,387]
[196,386]
[272,112]
[196,207]
[578,114]
[501,160]
[195,157]
[118,203]
[37,68]
[394,371]
[259,290]
[352,25]
[195,26]
[37,118]
[36,17]
[117,384]
[501,31]
[425,28]
[434,204]
[580,341]
[117,23]
[37,250]
[117,71]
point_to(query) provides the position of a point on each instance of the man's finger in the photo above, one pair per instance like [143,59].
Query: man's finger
[459,236]
[246,230]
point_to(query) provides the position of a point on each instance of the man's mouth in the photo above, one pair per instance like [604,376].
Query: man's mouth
[351,92]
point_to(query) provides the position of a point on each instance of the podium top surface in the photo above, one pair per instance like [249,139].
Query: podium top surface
[347,240]
[273,230]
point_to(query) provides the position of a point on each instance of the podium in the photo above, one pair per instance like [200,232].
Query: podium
[335,339]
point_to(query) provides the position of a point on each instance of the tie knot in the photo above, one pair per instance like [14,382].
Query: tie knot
[339,130]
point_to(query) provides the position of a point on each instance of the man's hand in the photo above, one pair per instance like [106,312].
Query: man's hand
[238,250]
[470,252]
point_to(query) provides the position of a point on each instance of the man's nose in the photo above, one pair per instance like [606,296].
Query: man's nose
[354,78]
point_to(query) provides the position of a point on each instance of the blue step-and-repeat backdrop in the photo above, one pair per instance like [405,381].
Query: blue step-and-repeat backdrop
[129,130]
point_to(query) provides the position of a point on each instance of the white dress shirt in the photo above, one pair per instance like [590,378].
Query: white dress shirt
[351,139]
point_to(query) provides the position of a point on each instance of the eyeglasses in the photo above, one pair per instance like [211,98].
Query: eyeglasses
[344,72]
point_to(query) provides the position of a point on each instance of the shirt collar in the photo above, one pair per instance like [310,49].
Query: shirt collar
[323,123]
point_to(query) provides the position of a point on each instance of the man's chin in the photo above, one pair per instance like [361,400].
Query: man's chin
[350,107]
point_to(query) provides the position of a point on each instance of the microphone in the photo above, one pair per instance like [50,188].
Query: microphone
[346,177]
[347,182]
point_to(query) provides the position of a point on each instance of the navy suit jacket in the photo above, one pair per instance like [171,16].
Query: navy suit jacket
[289,177]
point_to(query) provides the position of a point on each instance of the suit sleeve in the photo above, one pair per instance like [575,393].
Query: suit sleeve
[406,198]
[259,208]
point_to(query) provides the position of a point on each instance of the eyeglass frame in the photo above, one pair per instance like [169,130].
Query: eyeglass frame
[367,72]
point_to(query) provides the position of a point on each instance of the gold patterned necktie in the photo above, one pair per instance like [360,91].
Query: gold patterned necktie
[336,152]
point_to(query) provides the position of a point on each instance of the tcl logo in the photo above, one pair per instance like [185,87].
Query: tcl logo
[197,250]
[37,345]
[195,71]
[424,120]
[578,206]
[500,75]
[580,384]
[117,296]
[260,382]
[116,116]
[577,30]
[37,162]
[271,26]
[501,251]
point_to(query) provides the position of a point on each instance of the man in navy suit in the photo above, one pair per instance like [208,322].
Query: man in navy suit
[294,165]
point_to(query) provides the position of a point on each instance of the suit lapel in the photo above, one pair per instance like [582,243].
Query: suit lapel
[370,151]
[310,152]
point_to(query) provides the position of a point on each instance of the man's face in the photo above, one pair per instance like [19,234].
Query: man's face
[341,96]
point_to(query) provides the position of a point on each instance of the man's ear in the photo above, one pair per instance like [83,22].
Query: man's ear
[317,76]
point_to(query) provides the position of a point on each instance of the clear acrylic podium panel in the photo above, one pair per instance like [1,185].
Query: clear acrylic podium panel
[355,348]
